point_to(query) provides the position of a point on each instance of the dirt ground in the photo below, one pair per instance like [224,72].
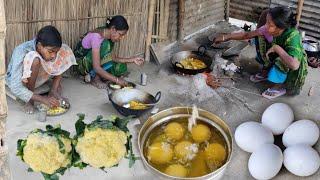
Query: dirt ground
[232,105]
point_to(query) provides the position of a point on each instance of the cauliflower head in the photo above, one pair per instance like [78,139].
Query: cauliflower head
[42,153]
[102,147]
[48,152]
[102,143]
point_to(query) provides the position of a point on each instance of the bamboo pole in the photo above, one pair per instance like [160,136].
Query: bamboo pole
[227,10]
[152,4]
[4,166]
[299,11]
[181,7]
[166,17]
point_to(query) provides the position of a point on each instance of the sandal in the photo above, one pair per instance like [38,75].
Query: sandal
[314,62]
[257,78]
[276,93]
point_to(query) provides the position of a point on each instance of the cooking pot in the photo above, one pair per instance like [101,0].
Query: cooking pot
[184,112]
[120,97]
[200,55]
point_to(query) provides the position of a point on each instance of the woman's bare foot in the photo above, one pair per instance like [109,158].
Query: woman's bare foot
[28,108]
[96,82]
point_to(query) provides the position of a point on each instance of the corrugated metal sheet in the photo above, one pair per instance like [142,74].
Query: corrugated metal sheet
[198,14]
[248,10]
[310,17]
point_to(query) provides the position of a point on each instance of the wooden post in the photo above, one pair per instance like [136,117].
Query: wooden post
[152,4]
[181,7]
[227,10]
[299,11]
[4,165]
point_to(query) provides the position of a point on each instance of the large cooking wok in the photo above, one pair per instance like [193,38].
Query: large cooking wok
[121,97]
[200,54]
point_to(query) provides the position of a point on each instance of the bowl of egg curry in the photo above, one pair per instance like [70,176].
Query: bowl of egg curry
[170,150]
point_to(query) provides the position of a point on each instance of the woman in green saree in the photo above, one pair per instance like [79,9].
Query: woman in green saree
[94,54]
[279,50]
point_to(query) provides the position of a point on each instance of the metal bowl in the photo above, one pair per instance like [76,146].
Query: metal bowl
[176,58]
[181,112]
[123,96]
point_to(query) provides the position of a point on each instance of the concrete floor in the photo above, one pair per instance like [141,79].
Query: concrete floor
[233,106]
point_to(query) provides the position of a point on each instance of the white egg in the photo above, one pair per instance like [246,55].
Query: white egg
[251,135]
[301,132]
[266,162]
[277,117]
[301,160]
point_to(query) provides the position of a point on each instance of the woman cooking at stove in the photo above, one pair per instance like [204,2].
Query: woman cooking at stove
[279,50]
[94,54]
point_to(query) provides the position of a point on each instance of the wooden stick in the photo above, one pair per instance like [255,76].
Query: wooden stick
[227,10]
[181,19]
[299,11]
[166,17]
[152,4]
[3,101]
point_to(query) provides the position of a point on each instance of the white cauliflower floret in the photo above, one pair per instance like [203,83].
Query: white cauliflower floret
[102,147]
[42,153]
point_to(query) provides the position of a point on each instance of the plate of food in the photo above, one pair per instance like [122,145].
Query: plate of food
[55,111]
[115,86]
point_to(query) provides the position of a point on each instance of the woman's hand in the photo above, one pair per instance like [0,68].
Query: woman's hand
[137,60]
[272,50]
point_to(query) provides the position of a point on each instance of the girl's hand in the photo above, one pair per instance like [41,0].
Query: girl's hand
[121,82]
[51,101]
[138,61]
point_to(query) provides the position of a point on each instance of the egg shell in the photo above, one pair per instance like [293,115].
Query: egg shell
[277,117]
[301,160]
[301,132]
[266,162]
[251,135]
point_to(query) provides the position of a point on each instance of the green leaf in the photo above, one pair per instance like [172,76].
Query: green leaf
[122,123]
[80,125]
[76,160]
[61,145]
[30,170]
[20,146]
[130,156]
[61,170]
[50,176]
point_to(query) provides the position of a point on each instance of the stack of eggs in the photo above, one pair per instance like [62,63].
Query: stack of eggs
[266,159]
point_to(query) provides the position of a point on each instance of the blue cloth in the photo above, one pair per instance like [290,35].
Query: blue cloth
[105,66]
[277,76]
[15,70]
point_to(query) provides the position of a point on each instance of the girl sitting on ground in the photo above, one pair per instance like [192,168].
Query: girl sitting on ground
[94,54]
[34,62]
[279,50]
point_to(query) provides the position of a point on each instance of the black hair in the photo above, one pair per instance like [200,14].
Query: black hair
[49,36]
[283,17]
[118,22]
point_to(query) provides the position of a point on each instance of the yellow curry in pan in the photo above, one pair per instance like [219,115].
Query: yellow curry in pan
[192,63]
